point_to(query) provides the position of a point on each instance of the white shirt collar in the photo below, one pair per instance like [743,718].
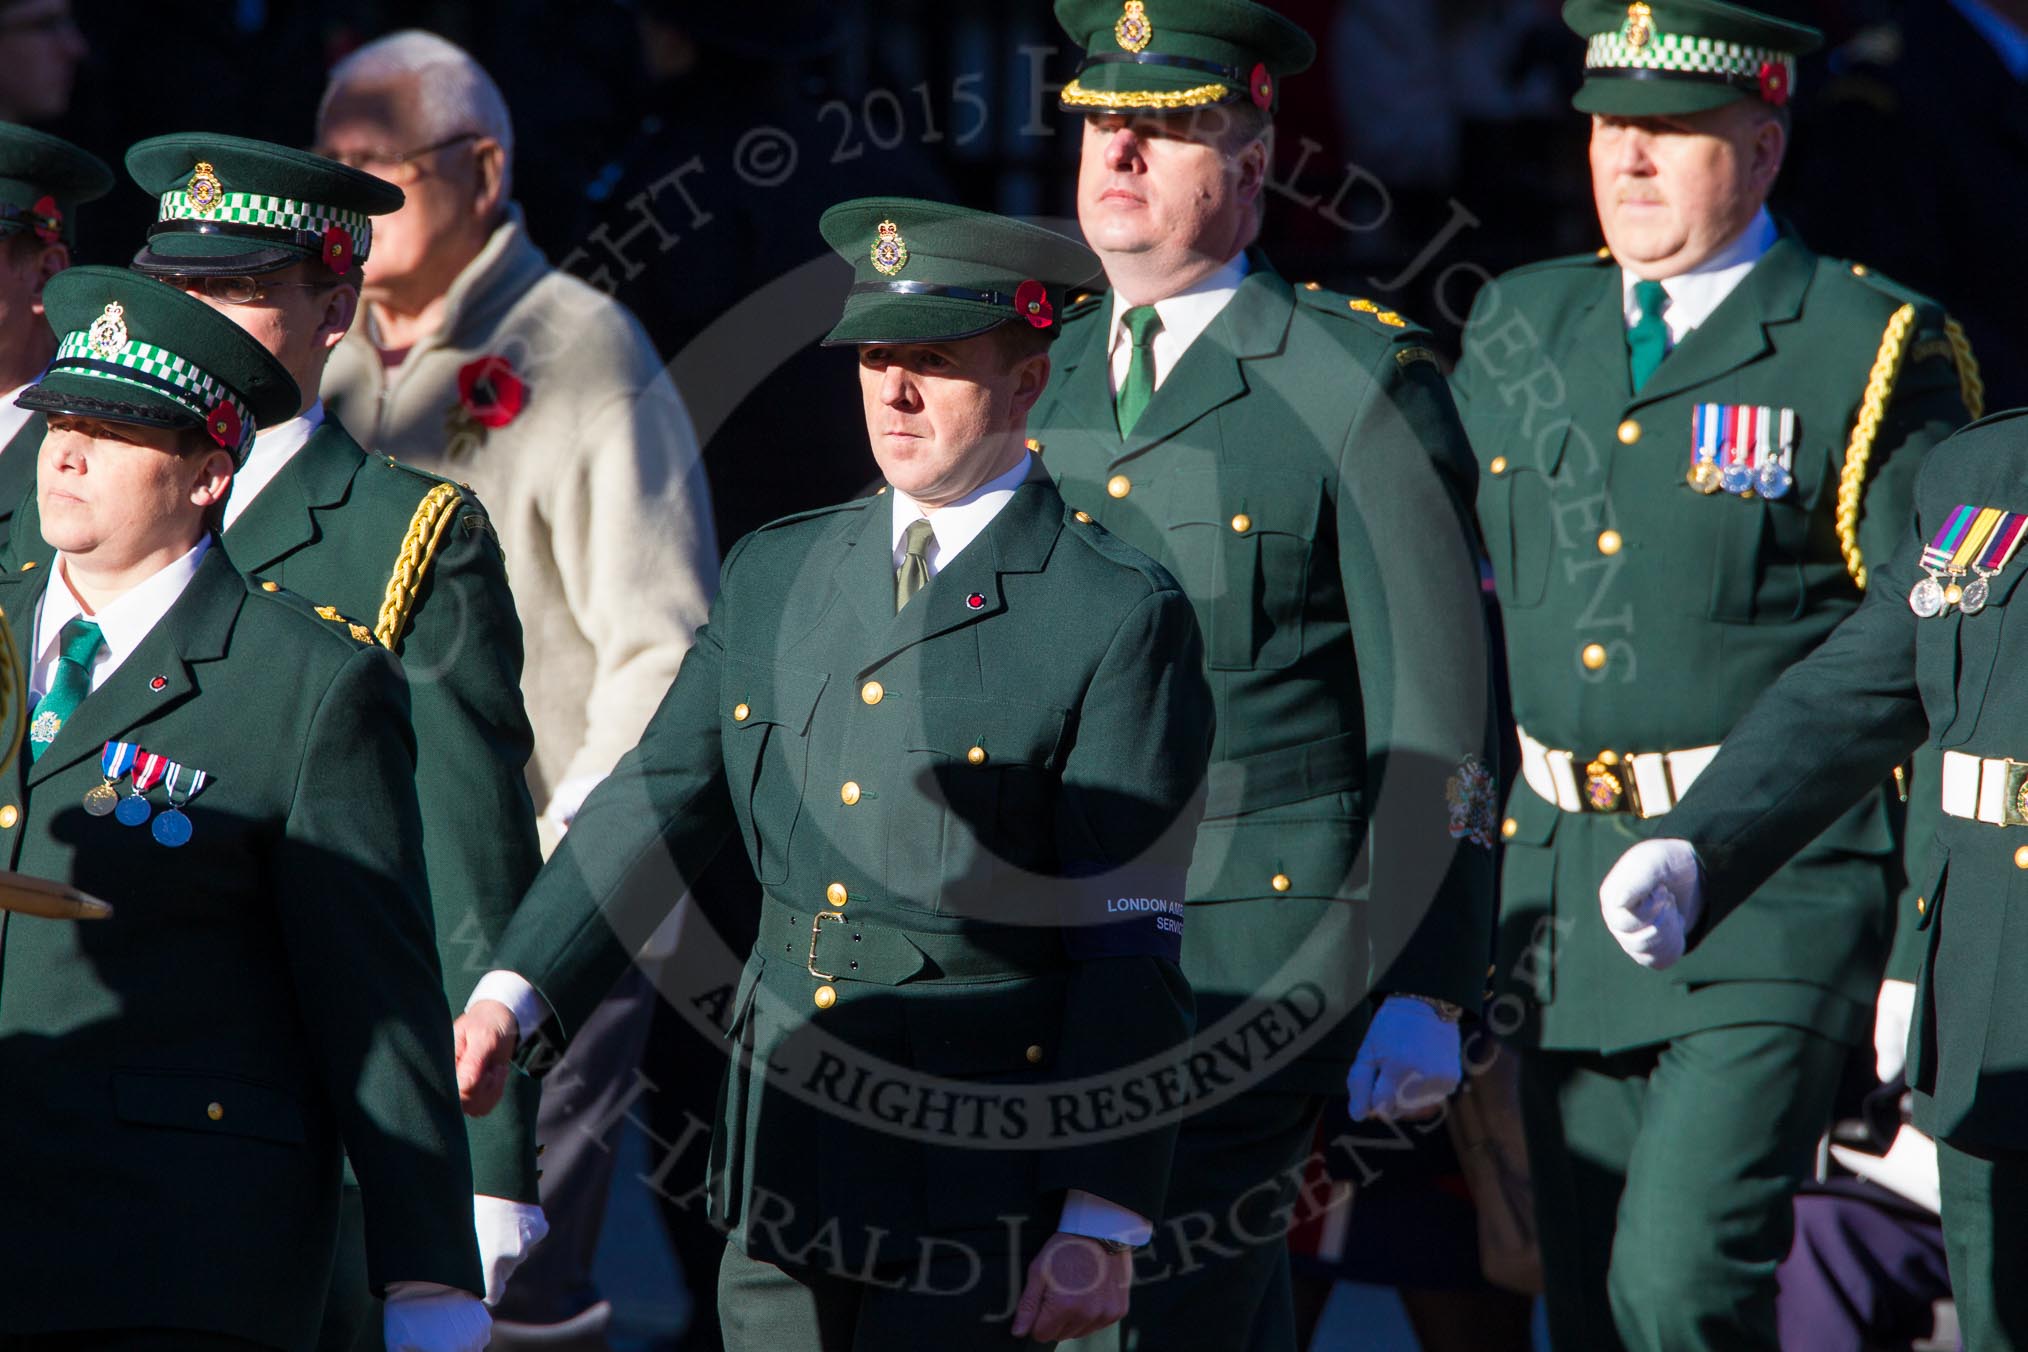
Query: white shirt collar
[2009,42]
[12,415]
[1693,295]
[955,524]
[1185,316]
[273,449]
[123,622]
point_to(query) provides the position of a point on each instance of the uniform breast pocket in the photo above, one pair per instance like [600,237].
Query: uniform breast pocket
[1241,541]
[1958,663]
[986,770]
[1757,547]
[767,711]
[1515,513]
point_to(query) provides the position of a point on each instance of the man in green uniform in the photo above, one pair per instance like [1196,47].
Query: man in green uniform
[42,181]
[961,730]
[1694,443]
[1919,663]
[1293,457]
[182,1078]
[274,238]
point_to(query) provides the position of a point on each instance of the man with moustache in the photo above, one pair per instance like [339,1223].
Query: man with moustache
[1293,457]
[1696,445]
[960,729]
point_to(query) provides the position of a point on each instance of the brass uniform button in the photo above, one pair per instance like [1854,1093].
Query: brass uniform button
[1313,286]
[1280,882]
[1630,432]
[1507,831]
[1604,252]
[873,692]
[215,1111]
[8,816]
[880,492]
[271,586]
[1858,269]
[2021,857]
[1921,905]
[740,713]
[1609,542]
[848,794]
[1593,656]
[836,894]
[1499,465]
[1035,1056]
[1242,523]
[1083,518]
[1119,486]
[826,996]
[976,756]
[28,567]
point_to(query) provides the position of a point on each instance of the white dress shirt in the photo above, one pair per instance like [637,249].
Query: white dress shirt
[273,448]
[1185,316]
[955,524]
[123,623]
[12,415]
[1693,295]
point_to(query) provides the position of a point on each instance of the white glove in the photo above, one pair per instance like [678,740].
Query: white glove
[427,1317]
[1652,899]
[507,1232]
[1408,1063]
[1892,1013]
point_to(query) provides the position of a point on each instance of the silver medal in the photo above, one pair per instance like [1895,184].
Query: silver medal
[1974,599]
[1927,599]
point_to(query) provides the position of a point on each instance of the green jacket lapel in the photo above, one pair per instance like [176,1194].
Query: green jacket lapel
[283,519]
[1737,331]
[1084,387]
[1253,323]
[20,594]
[195,630]
[1599,350]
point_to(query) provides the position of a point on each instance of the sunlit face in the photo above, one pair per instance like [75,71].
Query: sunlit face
[1673,191]
[371,126]
[296,313]
[116,492]
[943,417]
[1162,185]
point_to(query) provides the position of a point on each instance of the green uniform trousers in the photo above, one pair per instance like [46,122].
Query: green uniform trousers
[1985,1222]
[946,1303]
[1664,1183]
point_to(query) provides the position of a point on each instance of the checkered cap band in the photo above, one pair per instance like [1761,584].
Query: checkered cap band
[280,213]
[1689,55]
[195,389]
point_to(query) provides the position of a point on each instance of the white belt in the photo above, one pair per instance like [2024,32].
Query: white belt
[1989,789]
[1645,783]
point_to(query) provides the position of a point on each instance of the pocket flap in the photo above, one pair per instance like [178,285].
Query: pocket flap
[999,732]
[1264,502]
[762,694]
[1530,819]
[991,1029]
[209,1103]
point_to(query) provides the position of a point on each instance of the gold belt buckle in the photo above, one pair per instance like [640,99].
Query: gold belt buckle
[816,924]
[2014,806]
[1608,784]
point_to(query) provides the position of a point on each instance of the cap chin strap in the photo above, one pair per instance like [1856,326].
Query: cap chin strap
[266,234]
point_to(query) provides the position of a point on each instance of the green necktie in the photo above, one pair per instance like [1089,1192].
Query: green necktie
[1141,324]
[69,683]
[913,575]
[1648,339]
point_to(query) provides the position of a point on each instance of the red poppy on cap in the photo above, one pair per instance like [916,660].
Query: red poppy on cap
[48,220]
[338,249]
[1262,86]
[1774,82]
[490,391]
[1031,300]
[223,424]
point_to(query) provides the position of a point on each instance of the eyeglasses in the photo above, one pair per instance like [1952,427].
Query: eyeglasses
[237,290]
[399,167]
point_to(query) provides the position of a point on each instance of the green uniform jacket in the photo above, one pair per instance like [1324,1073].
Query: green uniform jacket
[17,468]
[1880,685]
[181,1078]
[974,816]
[353,533]
[1644,616]
[1303,474]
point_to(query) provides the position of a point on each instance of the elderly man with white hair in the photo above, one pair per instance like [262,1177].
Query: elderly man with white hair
[479,360]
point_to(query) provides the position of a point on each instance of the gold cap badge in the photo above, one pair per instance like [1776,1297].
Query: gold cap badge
[890,250]
[205,190]
[108,334]
[1640,25]
[1133,29]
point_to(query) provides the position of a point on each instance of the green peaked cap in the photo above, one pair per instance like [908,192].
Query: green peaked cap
[926,272]
[1657,58]
[227,205]
[1164,55]
[43,178]
[132,349]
